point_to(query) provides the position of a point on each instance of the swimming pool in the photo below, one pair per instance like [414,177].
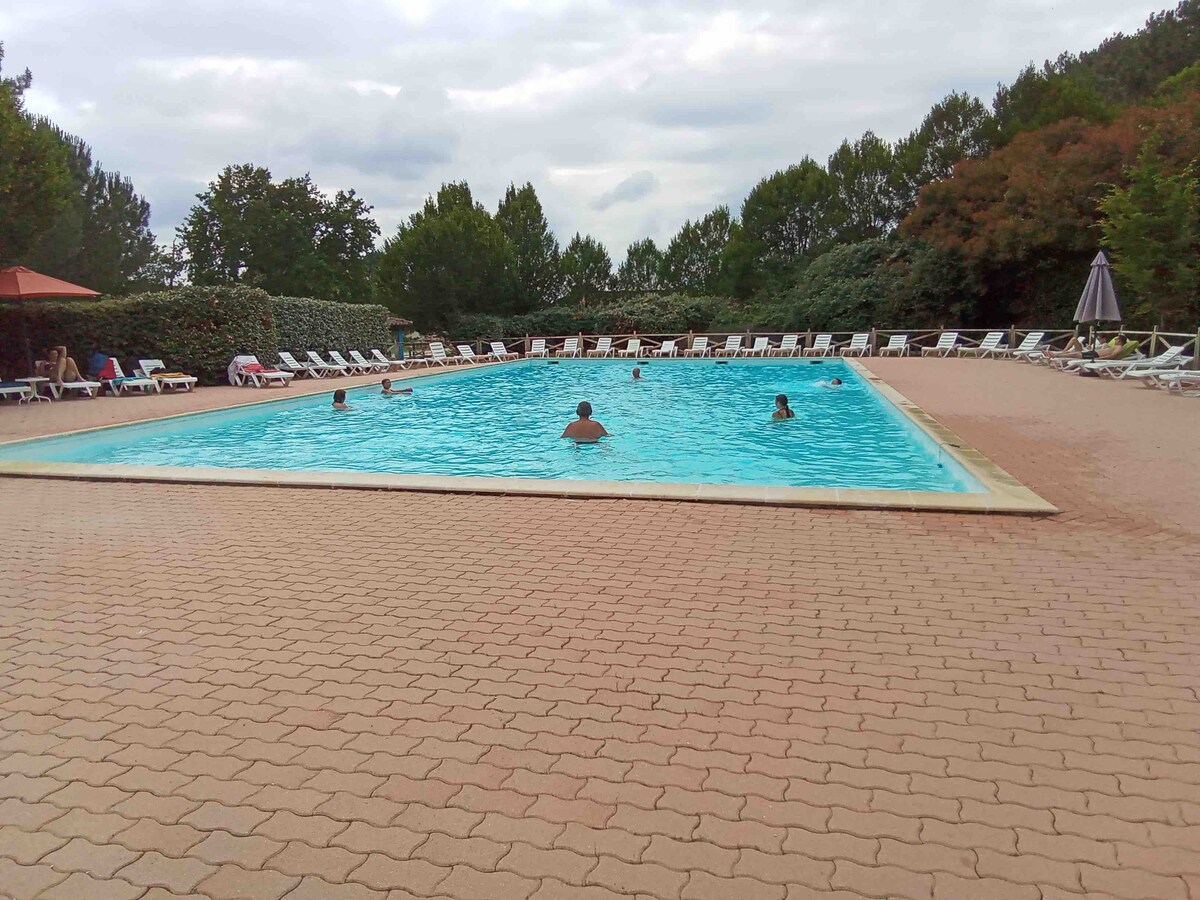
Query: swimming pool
[688,422]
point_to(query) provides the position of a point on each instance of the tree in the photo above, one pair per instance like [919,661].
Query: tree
[693,261]
[785,219]
[1041,97]
[639,271]
[958,127]
[587,269]
[449,260]
[535,248]
[865,200]
[286,237]
[35,181]
[102,237]
[1153,229]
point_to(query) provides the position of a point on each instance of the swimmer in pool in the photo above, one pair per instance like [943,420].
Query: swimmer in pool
[637,373]
[339,400]
[830,385]
[389,391]
[585,429]
[782,410]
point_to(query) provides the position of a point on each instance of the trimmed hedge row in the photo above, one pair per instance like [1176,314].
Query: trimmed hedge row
[646,314]
[194,329]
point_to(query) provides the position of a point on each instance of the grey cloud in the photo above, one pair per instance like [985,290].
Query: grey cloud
[635,187]
[567,95]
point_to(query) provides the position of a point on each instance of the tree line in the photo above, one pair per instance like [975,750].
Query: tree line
[983,214]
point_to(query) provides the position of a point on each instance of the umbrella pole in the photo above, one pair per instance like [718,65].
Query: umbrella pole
[25,338]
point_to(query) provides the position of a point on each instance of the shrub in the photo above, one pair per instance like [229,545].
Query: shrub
[643,313]
[195,329]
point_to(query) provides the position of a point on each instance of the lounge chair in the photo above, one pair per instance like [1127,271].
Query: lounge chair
[170,380]
[499,351]
[699,347]
[988,346]
[352,368]
[789,346]
[858,346]
[570,347]
[1156,377]
[245,369]
[633,347]
[112,377]
[538,348]
[289,363]
[667,349]
[1031,343]
[822,346]
[10,389]
[762,346]
[1120,368]
[603,347]
[393,364]
[87,388]
[733,346]
[437,354]
[465,352]
[1187,383]
[897,345]
[369,365]
[330,368]
[946,344]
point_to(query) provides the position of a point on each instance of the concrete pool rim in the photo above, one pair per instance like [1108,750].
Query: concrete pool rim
[1003,493]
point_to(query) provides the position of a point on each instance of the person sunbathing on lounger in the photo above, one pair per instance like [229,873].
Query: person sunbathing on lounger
[1077,347]
[584,429]
[389,391]
[57,366]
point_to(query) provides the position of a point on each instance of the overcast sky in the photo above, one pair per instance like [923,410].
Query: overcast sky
[628,117]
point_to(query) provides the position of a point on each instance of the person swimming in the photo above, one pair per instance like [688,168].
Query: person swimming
[389,391]
[637,373]
[339,400]
[830,385]
[782,410]
[585,429]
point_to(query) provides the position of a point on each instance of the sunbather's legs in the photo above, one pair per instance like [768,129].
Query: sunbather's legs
[66,369]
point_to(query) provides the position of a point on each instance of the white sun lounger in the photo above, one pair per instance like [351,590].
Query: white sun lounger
[633,347]
[330,368]
[989,345]
[897,345]
[119,382]
[437,354]
[12,389]
[570,347]
[245,370]
[761,347]
[369,365]
[944,347]
[859,345]
[377,355]
[788,346]
[699,347]
[538,348]
[667,349]
[603,347]
[465,352]
[165,379]
[1031,343]
[822,346]
[87,388]
[352,368]
[289,363]
[499,351]
[733,346]
[1119,368]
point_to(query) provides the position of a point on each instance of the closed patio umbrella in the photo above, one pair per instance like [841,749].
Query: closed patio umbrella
[19,283]
[1098,303]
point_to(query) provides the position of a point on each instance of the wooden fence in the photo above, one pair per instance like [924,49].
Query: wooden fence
[1154,341]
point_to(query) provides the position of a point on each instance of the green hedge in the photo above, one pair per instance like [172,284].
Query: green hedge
[645,314]
[194,329]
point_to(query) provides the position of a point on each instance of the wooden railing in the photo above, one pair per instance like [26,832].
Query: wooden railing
[1155,341]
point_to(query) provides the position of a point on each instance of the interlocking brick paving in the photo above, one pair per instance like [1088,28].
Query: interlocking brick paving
[250,692]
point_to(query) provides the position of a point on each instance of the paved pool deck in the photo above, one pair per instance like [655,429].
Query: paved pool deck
[221,692]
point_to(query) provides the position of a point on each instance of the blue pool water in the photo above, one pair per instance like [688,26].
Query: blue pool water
[688,421]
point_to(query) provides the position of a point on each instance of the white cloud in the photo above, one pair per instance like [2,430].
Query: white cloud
[585,98]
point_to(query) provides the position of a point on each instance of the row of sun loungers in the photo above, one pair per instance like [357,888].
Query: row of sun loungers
[151,377]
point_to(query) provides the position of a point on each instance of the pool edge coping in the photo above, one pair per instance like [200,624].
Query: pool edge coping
[1004,493]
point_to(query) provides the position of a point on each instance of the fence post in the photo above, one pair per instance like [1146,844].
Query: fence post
[872,342]
[526,345]
[1012,337]
[1196,351]
[808,339]
[1153,342]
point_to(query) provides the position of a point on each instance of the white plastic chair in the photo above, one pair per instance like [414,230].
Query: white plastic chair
[499,351]
[945,345]
[119,382]
[761,347]
[733,346]
[167,379]
[667,349]
[897,345]
[633,347]
[989,345]
[538,348]
[858,345]
[788,346]
[352,368]
[570,347]
[371,365]
[330,368]
[603,347]
[822,346]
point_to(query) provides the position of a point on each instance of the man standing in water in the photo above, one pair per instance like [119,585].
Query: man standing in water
[637,374]
[584,429]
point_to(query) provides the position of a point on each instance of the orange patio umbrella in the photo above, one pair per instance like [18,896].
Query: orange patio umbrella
[18,283]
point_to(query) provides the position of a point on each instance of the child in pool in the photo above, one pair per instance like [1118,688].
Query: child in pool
[389,391]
